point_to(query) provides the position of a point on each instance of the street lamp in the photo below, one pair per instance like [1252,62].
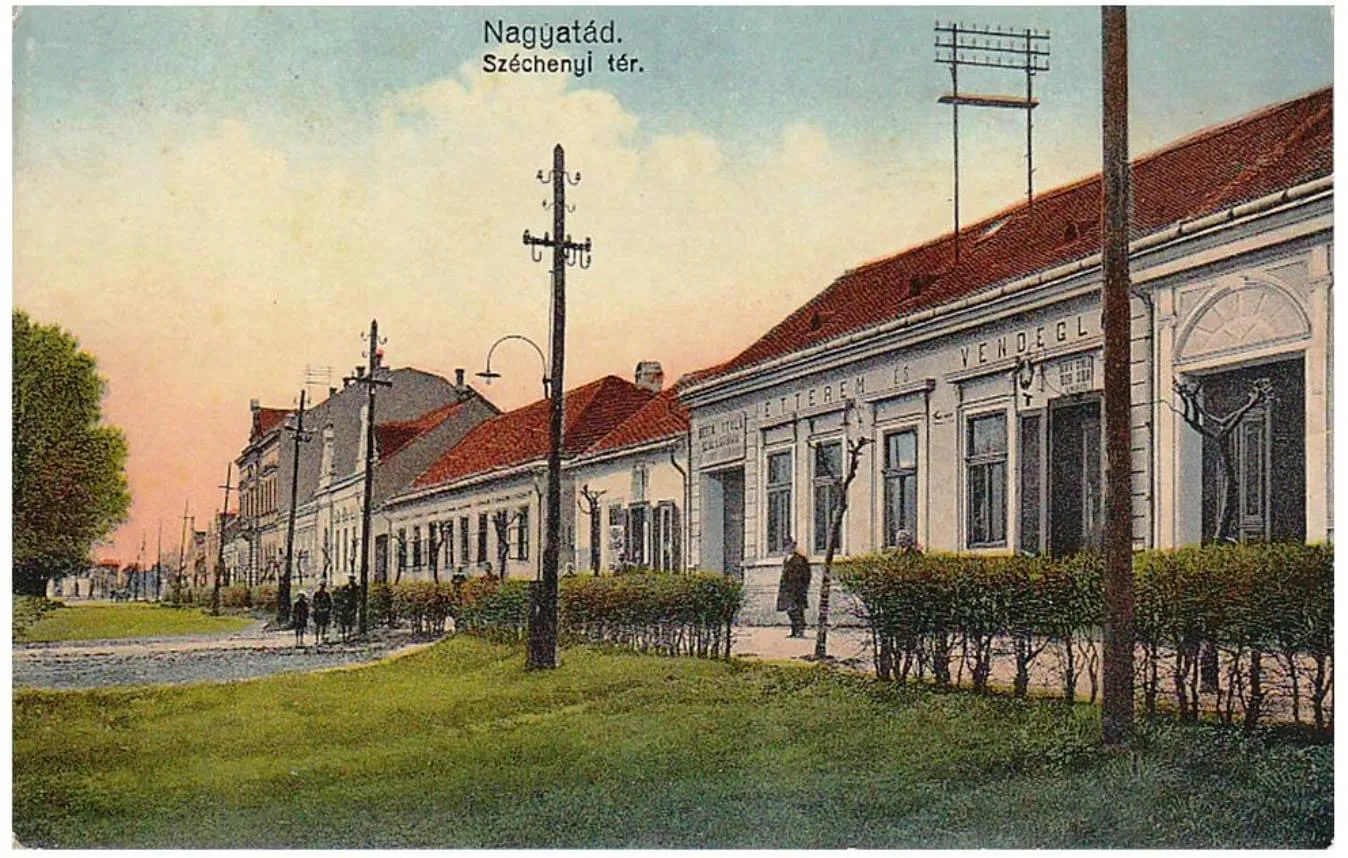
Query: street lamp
[488,375]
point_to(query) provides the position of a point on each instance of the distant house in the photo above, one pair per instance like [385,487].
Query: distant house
[479,506]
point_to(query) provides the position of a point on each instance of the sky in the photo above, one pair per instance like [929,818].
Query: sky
[214,199]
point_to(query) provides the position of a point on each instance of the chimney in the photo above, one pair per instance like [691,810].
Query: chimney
[254,405]
[649,376]
[458,377]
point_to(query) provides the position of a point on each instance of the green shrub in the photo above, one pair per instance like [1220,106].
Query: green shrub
[674,614]
[1195,608]
[670,613]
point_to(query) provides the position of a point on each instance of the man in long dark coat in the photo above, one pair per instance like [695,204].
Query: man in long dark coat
[793,591]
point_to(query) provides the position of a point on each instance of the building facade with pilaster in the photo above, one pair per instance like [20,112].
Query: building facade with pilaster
[975,372]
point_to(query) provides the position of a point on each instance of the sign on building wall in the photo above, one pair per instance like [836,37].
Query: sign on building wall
[720,440]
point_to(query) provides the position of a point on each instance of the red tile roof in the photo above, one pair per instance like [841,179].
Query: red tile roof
[265,420]
[662,417]
[1215,169]
[521,436]
[396,434]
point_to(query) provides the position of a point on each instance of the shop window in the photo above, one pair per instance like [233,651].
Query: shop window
[900,486]
[779,501]
[985,466]
[827,489]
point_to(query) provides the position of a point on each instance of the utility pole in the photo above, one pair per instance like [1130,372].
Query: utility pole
[283,586]
[220,549]
[1117,700]
[159,561]
[182,558]
[365,375]
[543,620]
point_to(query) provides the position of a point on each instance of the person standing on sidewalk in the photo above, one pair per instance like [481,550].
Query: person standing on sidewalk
[322,612]
[299,614]
[794,589]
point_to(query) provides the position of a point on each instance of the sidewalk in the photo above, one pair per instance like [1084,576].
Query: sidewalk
[850,646]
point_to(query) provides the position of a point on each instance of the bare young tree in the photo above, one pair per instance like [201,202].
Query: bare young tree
[588,502]
[844,483]
[1220,431]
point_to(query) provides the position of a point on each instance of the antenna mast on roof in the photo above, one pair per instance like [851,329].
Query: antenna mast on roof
[317,375]
[1025,51]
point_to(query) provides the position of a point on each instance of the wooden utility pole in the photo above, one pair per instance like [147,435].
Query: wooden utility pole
[367,378]
[1117,700]
[220,549]
[159,561]
[182,558]
[283,586]
[543,600]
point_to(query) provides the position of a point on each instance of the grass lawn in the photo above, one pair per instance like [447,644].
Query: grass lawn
[98,622]
[459,746]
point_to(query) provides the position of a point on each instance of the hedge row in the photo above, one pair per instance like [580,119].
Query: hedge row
[1211,619]
[667,613]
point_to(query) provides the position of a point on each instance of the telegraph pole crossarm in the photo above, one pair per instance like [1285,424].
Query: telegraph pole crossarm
[366,375]
[299,436]
[975,46]
[543,619]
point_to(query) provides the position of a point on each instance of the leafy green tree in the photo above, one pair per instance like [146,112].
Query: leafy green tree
[69,469]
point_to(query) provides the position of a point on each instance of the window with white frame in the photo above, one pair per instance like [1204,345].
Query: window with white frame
[778,491]
[522,533]
[900,486]
[985,469]
[463,540]
[827,489]
[482,537]
[665,537]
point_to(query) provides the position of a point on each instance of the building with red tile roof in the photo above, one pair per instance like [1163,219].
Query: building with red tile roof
[978,381]
[479,503]
[1210,171]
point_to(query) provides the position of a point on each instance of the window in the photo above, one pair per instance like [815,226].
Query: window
[416,546]
[617,535]
[522,534]
[482,537]
[1029,444]
[779,501]
[985,465]
[638,517]
[900,486]
[463,539]
[447,537]
[402,548]
[432,547]
[665,537]
[827,490]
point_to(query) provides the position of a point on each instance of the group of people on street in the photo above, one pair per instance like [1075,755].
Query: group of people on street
[345,604]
